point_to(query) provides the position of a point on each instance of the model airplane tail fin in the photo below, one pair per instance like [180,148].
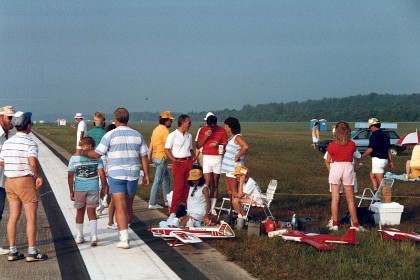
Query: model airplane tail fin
[350,236]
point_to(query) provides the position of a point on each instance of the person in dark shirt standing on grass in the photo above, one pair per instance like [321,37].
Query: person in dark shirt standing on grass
[379,150]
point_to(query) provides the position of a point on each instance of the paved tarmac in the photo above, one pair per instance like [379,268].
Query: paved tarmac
[149,257]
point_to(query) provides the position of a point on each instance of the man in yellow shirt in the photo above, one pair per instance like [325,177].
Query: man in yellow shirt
[158,158]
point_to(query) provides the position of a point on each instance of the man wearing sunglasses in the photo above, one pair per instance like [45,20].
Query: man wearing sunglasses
[6,115]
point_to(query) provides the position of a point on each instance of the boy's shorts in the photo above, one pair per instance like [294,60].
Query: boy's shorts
[212,164]
[22,189]
[122,186]
[378,165]
[90,199]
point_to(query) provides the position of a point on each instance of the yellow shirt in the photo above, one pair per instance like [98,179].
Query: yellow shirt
[159,135]
[415,156]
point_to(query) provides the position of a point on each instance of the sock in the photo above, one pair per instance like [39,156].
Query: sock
[93,227]
[32,250]
[356,224]
[124,235]
[240,216]
[335,223]
[13,249]
[79,230]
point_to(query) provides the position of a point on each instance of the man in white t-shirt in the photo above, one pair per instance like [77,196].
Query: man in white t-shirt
[178,148]
[81,129]
[6,114]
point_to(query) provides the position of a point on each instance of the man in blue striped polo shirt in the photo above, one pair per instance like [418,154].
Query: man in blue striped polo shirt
[125,148]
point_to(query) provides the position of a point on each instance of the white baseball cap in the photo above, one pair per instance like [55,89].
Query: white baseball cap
[208,115]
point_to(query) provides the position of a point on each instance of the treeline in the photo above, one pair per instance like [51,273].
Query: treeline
[386,107]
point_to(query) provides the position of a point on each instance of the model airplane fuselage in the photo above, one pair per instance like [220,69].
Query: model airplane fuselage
[321,241]
[193,234]
[396,234]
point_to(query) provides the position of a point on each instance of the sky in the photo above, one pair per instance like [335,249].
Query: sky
[63,57]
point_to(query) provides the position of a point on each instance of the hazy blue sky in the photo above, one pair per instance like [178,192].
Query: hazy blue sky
[82,56]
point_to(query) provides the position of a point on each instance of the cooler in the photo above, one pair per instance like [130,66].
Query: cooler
[387,213]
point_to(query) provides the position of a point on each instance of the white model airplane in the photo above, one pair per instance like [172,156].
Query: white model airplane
[192,234]
[396,234]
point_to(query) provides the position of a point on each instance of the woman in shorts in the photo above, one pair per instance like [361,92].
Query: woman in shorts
[341,171]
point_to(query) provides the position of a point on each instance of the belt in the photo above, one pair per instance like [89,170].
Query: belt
[185,158]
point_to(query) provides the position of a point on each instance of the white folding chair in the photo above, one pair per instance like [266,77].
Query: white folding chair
[369,195]
[223,207]
[267,199]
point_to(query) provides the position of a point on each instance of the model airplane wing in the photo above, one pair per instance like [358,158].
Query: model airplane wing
[185,237]
[396,234]
[318,245]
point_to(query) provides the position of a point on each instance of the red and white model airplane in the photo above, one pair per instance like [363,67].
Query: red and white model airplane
[396,234]
[192,234]
[319,241]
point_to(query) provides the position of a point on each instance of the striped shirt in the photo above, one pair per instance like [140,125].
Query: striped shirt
[15,154]
[124,147]
[229,164]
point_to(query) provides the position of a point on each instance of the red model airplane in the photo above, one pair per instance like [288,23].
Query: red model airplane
[396,234]
[319,241]
[192,234]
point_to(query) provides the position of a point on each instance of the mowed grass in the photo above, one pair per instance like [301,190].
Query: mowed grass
[282,151]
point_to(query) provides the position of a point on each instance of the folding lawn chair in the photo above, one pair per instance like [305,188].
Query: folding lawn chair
[369,195]
[267,199]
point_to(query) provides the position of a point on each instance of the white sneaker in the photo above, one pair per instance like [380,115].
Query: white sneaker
[360,229]
[333,228]
[106,200]
[330,223]
[155,206]
[113,226]
[124,244]
[80,240]
[94,241]
[4,251]
[99,210]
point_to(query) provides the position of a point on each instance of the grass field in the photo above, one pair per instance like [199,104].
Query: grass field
[282,151]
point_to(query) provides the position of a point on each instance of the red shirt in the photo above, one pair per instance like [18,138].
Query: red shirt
[340,153]
[219,135]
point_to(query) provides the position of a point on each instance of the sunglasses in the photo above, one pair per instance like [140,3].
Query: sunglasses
[10,117]
[193,192]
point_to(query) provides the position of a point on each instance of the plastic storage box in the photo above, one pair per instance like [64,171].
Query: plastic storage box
[387,213]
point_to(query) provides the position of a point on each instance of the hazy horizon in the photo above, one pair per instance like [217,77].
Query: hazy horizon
[63,57]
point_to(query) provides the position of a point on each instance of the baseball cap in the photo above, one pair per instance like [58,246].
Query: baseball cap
[208,115]
[166,115]
[241,170]
[195,174]
[7,111]
[372,121]
[21,119]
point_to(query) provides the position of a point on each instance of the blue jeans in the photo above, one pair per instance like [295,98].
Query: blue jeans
[2,201]
[161,177]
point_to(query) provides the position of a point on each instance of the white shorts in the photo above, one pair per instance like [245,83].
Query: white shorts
[341,172]
[212,164]
[315,140]
[378,165]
